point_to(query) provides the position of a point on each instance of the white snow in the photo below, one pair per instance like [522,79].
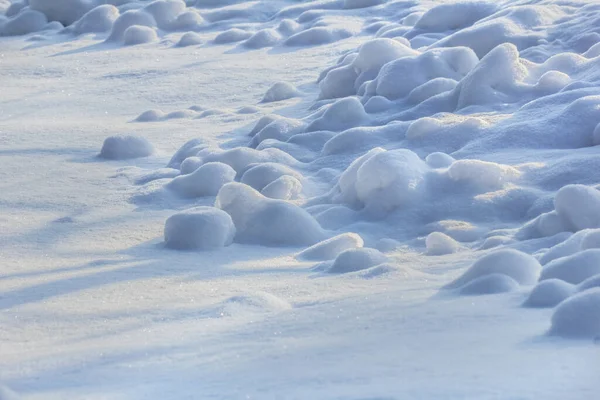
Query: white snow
[332,247]
[201,228]
[577,317]
[123,147]
[549,293]
[521,267]
[331,166]
[205,180]
[356,259]
[269,222]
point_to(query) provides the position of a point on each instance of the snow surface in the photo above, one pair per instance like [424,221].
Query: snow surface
[398,199]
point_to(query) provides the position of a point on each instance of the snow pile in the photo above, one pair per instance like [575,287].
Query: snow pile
[189,39]
[574,268]
[577,317]
[124,147]
[549,293]
[99,19]
[496,272]
[356,259]
[382,180]
[268,222]
[286,187]
[205,180]
[332,247]
[280,91]
[201,228]
[260,175]
[576,207]
[438,244]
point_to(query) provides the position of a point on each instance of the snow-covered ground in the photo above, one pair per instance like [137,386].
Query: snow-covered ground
[284,199]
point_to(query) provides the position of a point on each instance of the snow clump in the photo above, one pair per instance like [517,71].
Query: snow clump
[201,228]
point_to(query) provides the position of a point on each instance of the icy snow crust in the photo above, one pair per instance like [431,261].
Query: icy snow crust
[306,199]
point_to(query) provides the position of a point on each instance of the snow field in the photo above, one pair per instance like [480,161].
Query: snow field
[396,143]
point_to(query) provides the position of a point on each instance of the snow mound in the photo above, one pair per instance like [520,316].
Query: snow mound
[189,149]
[454,16]
[99,19]
[280,91]
[268,222]
[495,241]
[578,206]
[129,19]
[489,284]
[240,158]
[252,304]
[382,180]
[285,187]
[317,35]
[332,247]
[150,116]
[231,36]
[591,240]
[589,283]
[201,228]
[574,268]
[190,165]
[126,146]
[449,63]
[482,175]
[345,78]
[343,114]
[206,180]
[137,34]
[356,259]
[549,293]
[438,244]
[521,267]
[189,39]
[23,23]
[263,38]
[64,11]
[577,317]
[260,175]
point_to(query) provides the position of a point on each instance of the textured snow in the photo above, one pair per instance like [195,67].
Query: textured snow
[331,166]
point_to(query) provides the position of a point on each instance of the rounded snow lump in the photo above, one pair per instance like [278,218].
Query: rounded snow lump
[201,228]
[578,316]
[574,268]
[100,19]
[189,39]
[356,259]
[589,283]
[332,247]
[579,206]
[521,267]
[207,180]
[489,284]
[438,244]
[280,91]
[268,222]
[139,34]
[261,175]
[285,187]
[549,293]
[122,147]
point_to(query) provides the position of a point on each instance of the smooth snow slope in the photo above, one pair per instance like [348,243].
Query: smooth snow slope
[436,158]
